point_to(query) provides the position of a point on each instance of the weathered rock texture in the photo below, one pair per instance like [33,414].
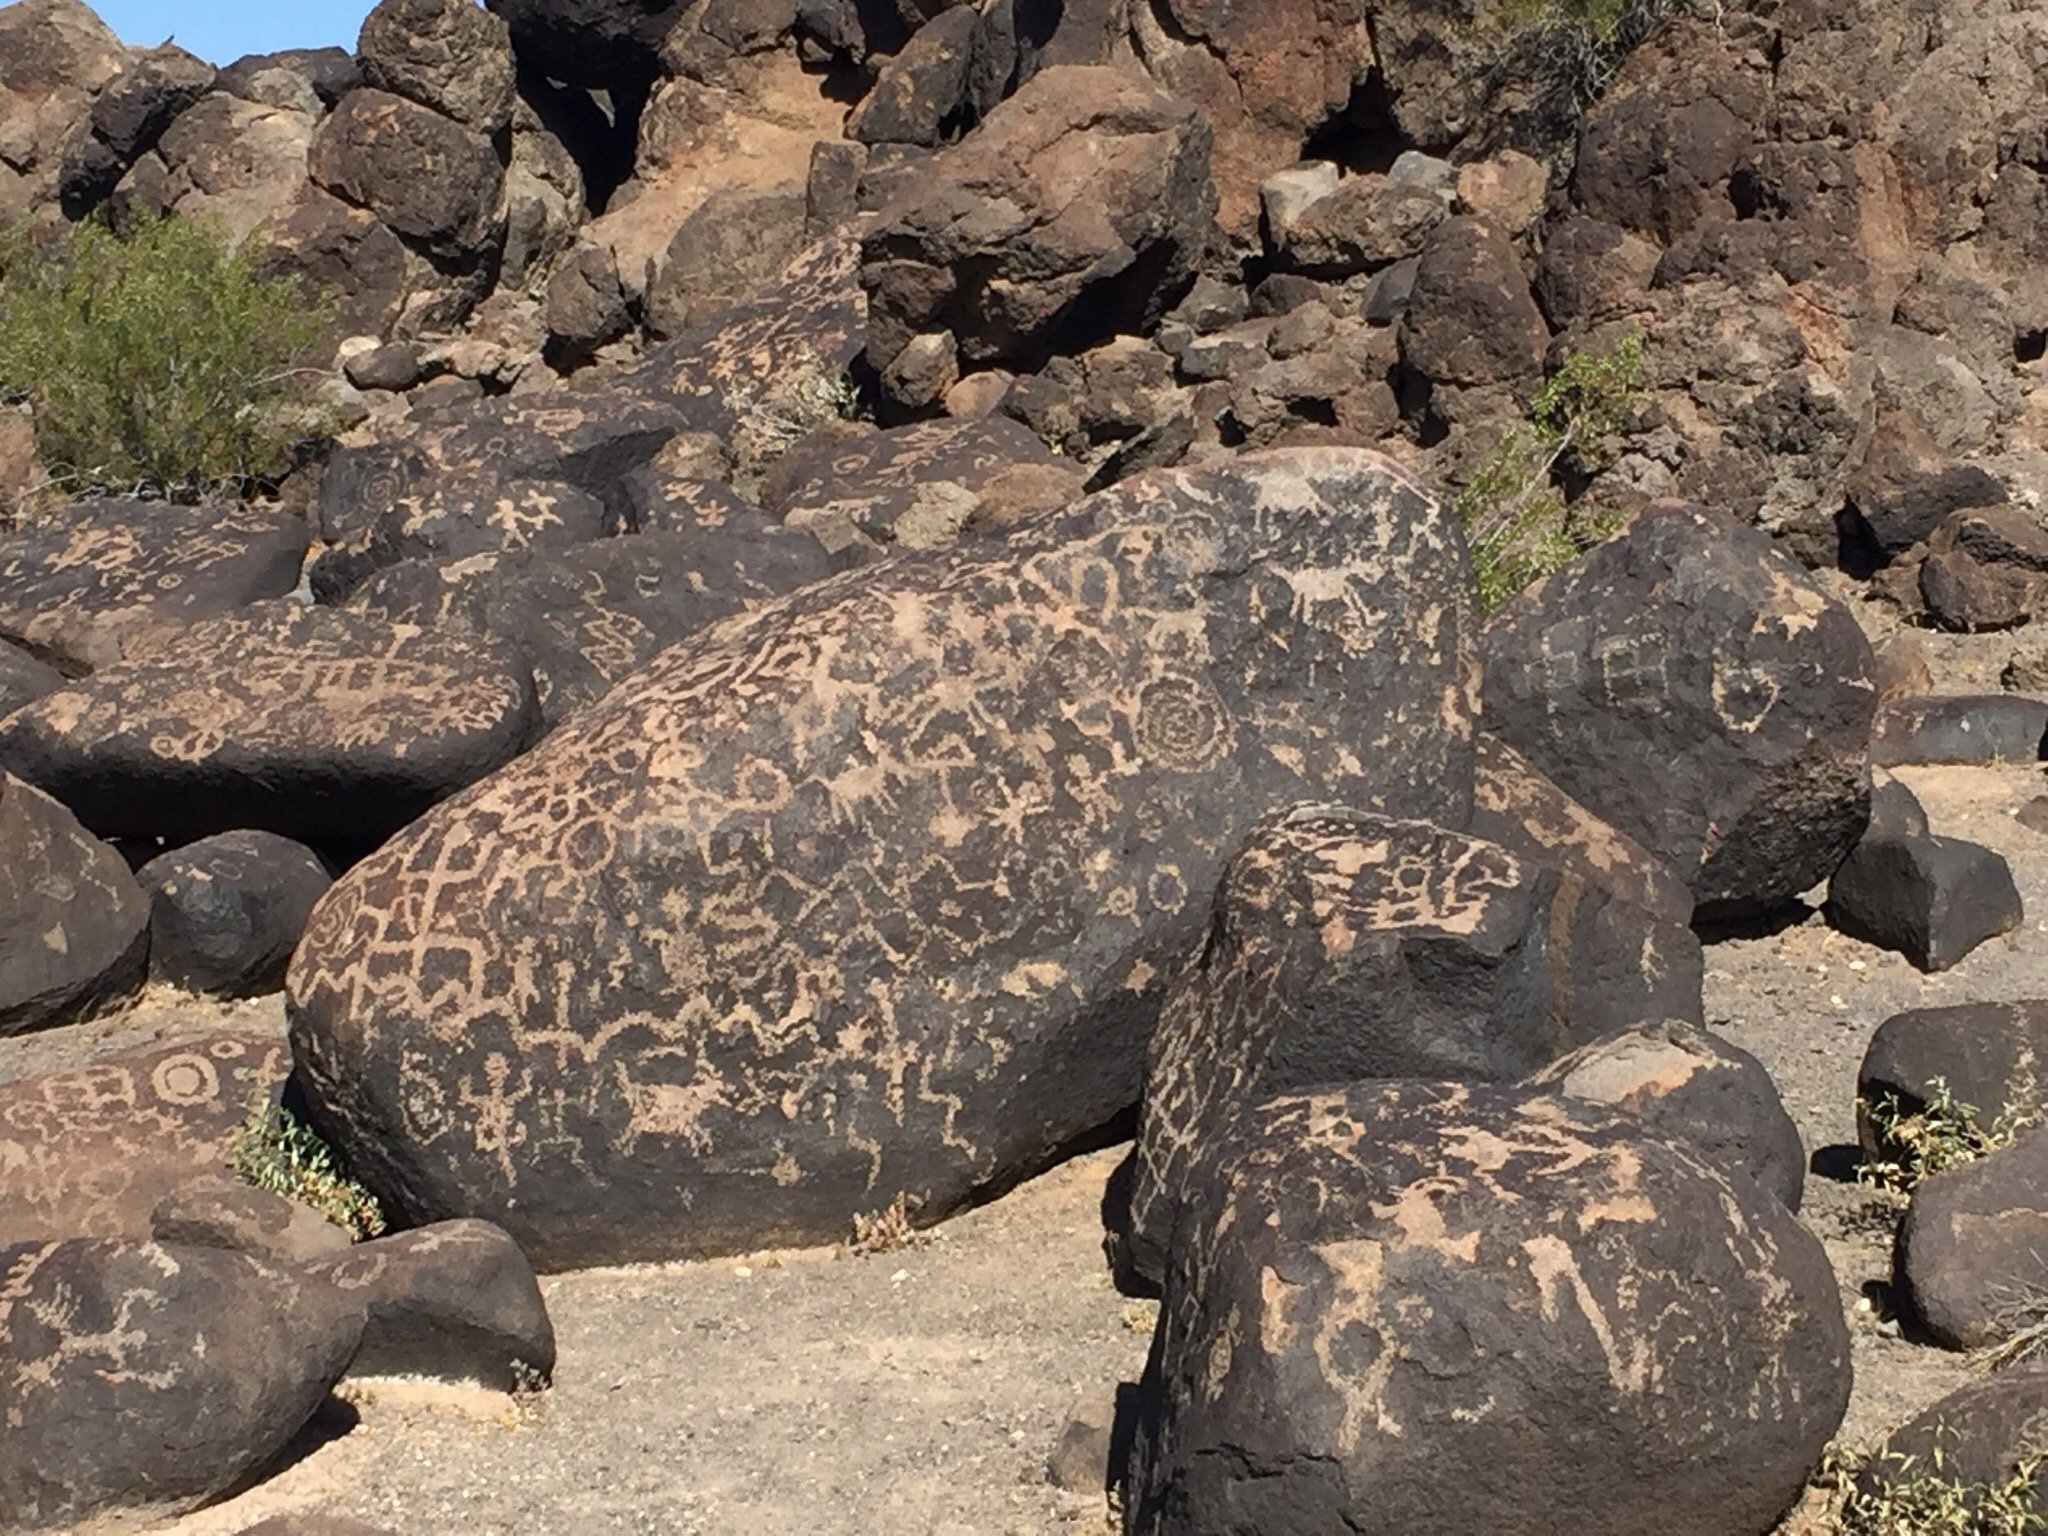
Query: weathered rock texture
[91,1153]
[1416,1308]
[1696,688]
[1991,1056]
[74,925]
[1972,1260]
[149,1380]
[875,891]
[226,912]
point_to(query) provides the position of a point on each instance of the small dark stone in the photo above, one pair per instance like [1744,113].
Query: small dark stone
[456,1301]
[2034,815]
[1963,728]
[1932,899]
[1081,1458]
[227,911]
[393,366]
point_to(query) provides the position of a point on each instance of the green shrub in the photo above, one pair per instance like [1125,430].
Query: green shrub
[273,1150]
[1517,521]
[1567,52]
[1941,1134]
[157,360]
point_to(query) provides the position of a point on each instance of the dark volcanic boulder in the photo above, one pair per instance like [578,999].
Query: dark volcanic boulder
[1693,686]
[1078,209]
[226,912]
[76,587]
[455,1301]
[426,176]
[128,117]
[74,926]
[1992,1057]
[1979,1436]
[150,1380]
[225,1211]
[1933,899]
[1694,1088]
[587,618]
[875,890]
[1414,1309]
[1621,944]
[90,1152]
[1342,947]
[450,55]
[1959,728]
[1470,318]
[330,727]
[1972,1261]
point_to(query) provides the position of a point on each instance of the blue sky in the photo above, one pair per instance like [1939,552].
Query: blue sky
[221,31]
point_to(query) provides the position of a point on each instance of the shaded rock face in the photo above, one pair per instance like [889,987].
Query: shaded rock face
[589,618]
[1416,1308]
[90,1153]
[79,586]
[1694,687]
[1621,945]
[126,120]
[1972,1259]
[1992,1057]
[599,43]
[1342,947]
[330,727]
[1078,208]
[23,678]
[74,926]
[1933,899]
[455,1301]
[226,911]
[191,1366]
[1694,1088]
[426,176]
[874,891]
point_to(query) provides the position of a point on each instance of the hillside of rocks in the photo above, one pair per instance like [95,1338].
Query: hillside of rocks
[897,828]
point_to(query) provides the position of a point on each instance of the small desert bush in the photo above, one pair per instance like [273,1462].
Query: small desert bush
[1941,1134]
[1922,1497]
[889,1230]
[1566,54]
[156,360]
[1516,519]
[274,1150]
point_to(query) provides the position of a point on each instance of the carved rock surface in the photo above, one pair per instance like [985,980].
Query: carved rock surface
[91,1152]
[1695,1088]
[875,890]
[1342,947]
[136,1377]
[1694,687]
[74,925]
[333,728]
[426,176]
[74,588]
[1417,1308]
[450,55]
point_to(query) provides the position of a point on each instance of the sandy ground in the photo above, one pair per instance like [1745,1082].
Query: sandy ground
[918,1392]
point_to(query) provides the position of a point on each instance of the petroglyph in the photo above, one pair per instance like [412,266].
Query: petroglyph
[849,897]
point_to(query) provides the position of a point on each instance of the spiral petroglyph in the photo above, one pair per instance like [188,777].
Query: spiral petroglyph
[873,890]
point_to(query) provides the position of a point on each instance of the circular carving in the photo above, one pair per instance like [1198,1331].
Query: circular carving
[187,1079]
[1182,724]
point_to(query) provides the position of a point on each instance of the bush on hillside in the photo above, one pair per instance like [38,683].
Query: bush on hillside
[155,361]
[1568,53]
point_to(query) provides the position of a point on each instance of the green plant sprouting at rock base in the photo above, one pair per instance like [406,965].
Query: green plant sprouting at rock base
[1941,1134]
[1516,520]
[156,360]
[274,1150]
[1921,1497]
[1568,52]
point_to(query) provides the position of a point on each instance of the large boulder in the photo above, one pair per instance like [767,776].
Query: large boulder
[1988,1434]
[74,926]
[1621,941]
[55,56]
[1419,1308]
[426,176]
[586,619]
[450,55]
[81,585]
[1992,1057]
[1342,947]
[1077,209]
[233,162]
[127,118]
[92,1152]
[226,912]
[1971,1267]
[145,1380]
[1470,319]
[1697,689]
[874,892]
[330,727]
